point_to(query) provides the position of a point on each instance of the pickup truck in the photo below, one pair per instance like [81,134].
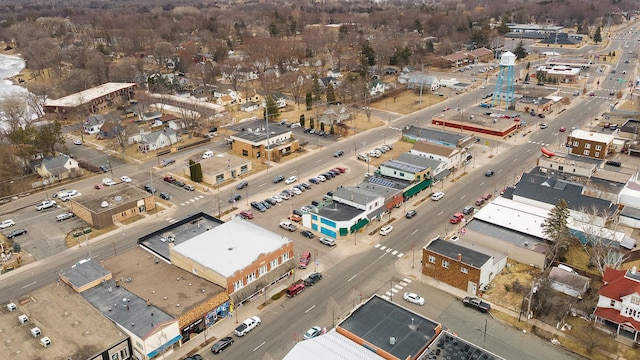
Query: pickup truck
[477,304]
[288,225]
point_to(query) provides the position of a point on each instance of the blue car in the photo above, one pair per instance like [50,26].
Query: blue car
[314,180]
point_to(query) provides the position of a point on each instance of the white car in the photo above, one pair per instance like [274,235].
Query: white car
[276,198]
[296,191]
[437,196]
[77,142]
[125,179]
[313,332]
[291,180]
[69,194]
[327,241]
[413,298]
[6,223]
[108,182]
[47,204]
[321,178]
[247,326]
[386,230]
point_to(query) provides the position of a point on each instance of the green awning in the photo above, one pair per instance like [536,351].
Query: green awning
[359,225]
[417,188]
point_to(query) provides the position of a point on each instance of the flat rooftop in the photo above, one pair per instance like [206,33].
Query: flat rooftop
[478,117]
[76,329]
[86,96]
[377,320]
[114,195]
[450,347]
[259,134]
[339,212]
[219,162]
[163,284]
[180,231]
[231,246]
[591,136]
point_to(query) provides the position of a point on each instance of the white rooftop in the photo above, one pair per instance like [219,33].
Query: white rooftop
[86,96]
[592,136]
[231,246]
[330,346]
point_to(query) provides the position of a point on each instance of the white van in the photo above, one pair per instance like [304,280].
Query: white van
[207,154]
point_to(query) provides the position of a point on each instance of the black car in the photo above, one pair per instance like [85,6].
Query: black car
[270,201]
[235,198]
[278,179]
[614,163]
[265,204]
[104,168]
[221,345]
[489,173]
[312,279]
[243,184]
[410,214]
[333,173]
[308,234]
[165,196]
[194,357]
[150,189]
[315,202]
[306,130]
[179,183]
[328,175]
[297,212]
[258,206]
[338,153]
[306,185]
[16,232]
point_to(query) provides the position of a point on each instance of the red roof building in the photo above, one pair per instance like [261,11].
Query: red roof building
[619,302]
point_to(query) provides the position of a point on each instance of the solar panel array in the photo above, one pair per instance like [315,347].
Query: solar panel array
[382,182]
[403,166]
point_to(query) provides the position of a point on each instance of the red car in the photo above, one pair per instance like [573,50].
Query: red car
[456,218]
[170,179]
[99,186]
[340,169]
[563,129]
[246,214]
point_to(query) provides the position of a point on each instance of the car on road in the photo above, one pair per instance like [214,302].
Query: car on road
[243,184]
[468,210]
[413,298]
[104,168]
[179,184]
[6,223]
[313,332]
[165,196]
[77,142]
[312,279]
[46,204]
[477,304]
[108,182]
[386,230]
[308,234]
[68,195]
[16,232]
[235,198]
[562,129]
[614,163]
[437,196]
[98,186]
[327,241]
[246,214]
[221,344]
[456,218]
[278,179]
[338,153]
[291,180]
[541,116]
[543,126]
[489,173]
[125,179]
[247,325]
[410,214]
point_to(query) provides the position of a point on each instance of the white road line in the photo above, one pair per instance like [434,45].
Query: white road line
[499,171]
[182,204]
[26,286]
[259,346]
[403,283]
[389,250]
[408,281]
[400,255]
[388,293]
[482,183]
[440,213]
[394,252]
[394,290]
[414,231]
[398,286]
[261,185]
[462,197]
[382,247]
[201,197]
[378,245]
[386,297]
[351,278]
[309,309]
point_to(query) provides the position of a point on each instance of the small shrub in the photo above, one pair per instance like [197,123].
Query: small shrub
[507,287]
[276,296]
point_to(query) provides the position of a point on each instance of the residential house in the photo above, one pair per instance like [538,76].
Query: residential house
[325,81]
[334,73]
[376,87]
[58,168]
[569,282]
[151,116]
[422,81]
[247,74]
[249,106]
[279,98]
[254,257]
[335,114]
[93,124]
[157,140]
[618,308]
[590,144]
[454,60]
[461,265]
[110,129]
[225,100]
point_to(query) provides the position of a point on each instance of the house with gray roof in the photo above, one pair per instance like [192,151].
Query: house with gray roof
[335,114]
[58,168]
[93,123]
[420,80]
[568,282]
[157,140]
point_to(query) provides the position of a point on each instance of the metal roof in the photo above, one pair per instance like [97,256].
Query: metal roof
[452,250]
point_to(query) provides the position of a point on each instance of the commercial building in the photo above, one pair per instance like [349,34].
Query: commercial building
[256,143]
[590,144]
[97,99]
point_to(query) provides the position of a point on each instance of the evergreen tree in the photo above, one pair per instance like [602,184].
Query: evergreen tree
[331,95]
[309,100]
[196,171]
[597,37]
[367,58]
[526,78]
[417,25]
[430,47]
[302,120]
[273,30]
[556,231]
[332,130]
[520,52]
[272,112]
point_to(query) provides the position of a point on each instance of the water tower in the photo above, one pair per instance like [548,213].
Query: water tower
[506,80]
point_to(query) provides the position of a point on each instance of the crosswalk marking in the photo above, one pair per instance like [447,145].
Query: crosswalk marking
[389,250]
[403,283]
[400,255]
[377,246]
[395,291]
[171,220]
[408,281]
[382,247]
[394,252]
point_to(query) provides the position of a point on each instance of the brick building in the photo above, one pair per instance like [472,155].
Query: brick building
[457,264]
[98,99]
[255,143]
[590,144]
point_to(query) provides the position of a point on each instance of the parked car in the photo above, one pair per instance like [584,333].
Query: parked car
[308,234]
[312,279]
[410,214]
[295,289]
[297,212]
[315,202]
[306,185]
[321,178]
[305,260]
[265,204]
[170,179]
[386,230]
[468,210]
[246,214]
[104,168]
[479,201]
[247,325]
[150,189]
[46,204]
[189,187]
[165,196]
[258,206]
[278,179]
[314,180]
[437,196]
[16,232]
[562,129]
[77,142]
[179,184]
[456,218]
[6,223]
[108,182]
[98,186]
[363,157]
[313,332]
[327,241]
[125,179]
[614,163]
[413,298]
[221,344]
[477,304]
[294,217]
[64,216]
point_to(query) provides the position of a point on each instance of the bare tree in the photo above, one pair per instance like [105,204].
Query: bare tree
[333,309]
[14,112]
[121,134]
[191,119]
[598,241]
[231,73]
